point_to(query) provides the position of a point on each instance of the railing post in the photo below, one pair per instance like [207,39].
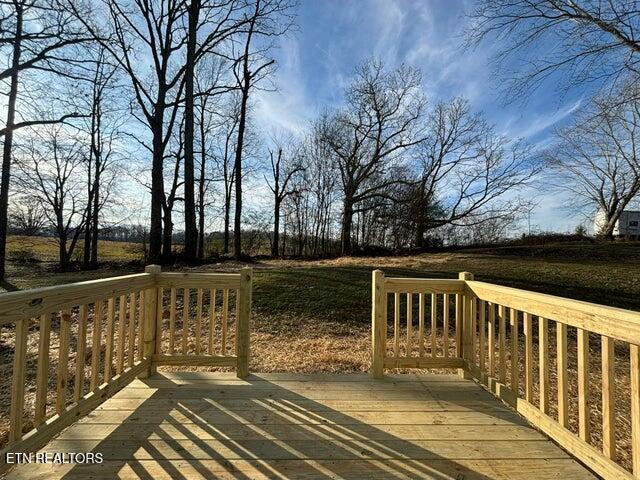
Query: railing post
[150,320]
[378,323]
[244,316]
[467,345]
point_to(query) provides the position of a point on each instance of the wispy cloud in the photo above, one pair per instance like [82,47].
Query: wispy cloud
[541,122]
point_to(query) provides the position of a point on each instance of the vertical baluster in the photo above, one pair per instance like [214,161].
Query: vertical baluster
[409,322]
[434,325]
[172,321]
[583,384]
[141,322]
[445,324]
[561,346]
[481,341]
[63,361]
[17,384]
[122,306]
[459,310]
[42,375]
[608,399]
[212,318]
[474,328]
[421,325]
[515,373]
[225,319]
[528,358]
[132,328]
[237,316]
[159,321]
[108,346]
[491,339]
[502,340]
[81,345]
[634,353]
[199,322]
[543,351]
[396,325]
[185,318]
[95,345]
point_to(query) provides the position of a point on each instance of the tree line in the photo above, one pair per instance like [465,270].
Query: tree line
[162,92]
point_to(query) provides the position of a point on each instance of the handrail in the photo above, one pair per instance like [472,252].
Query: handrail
[610,321]
[495,339]
[124,318]
[199,280]
[34,302]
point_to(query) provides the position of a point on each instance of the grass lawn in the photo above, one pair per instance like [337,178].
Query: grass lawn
[311,316]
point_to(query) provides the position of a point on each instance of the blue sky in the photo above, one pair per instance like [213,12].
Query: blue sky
[316,61]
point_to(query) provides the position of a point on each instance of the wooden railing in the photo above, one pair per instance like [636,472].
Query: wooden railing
[219,337]
[416,323]
[76,345]
[571,368]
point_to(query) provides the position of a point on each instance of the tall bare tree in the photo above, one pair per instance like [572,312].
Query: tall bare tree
[266,19]
[380,121]
[128,29]
[102,101]
[39,37]
[50,165]
[593,40]
[227,135]
[467,173]
[210,24]
[597,157]
[284,166]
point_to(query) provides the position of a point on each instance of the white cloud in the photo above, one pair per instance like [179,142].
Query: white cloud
[531,125]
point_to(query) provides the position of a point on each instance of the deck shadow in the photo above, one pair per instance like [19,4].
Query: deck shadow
[259,428]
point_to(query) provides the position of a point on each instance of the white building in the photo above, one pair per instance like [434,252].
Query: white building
[627,224]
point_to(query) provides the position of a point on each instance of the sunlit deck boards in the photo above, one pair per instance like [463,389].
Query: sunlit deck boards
[211,425]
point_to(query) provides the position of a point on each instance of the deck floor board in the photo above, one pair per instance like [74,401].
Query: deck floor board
[211,425]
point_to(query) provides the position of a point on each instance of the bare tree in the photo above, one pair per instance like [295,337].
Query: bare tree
[103,129]
[26,217]
[380,121]
[227,136]
[210,118]
[597,157]
[131,29]
[49,167]
[266,19]
[284,165]
[215,22]
[594,41]
[468,173]
[39,36]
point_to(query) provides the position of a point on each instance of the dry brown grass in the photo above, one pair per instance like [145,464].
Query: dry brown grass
[314,316]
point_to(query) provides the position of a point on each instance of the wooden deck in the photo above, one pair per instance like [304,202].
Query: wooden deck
[212,425]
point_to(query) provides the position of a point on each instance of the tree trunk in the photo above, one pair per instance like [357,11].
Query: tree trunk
[347,221]
[167,234]
[190,230]
[201,208]
[8,140]
[237,224]
[157,191]
[62,253]
[95,220]
[227,222]
[284,239]
[420,217]
[86,247]
[276,230]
